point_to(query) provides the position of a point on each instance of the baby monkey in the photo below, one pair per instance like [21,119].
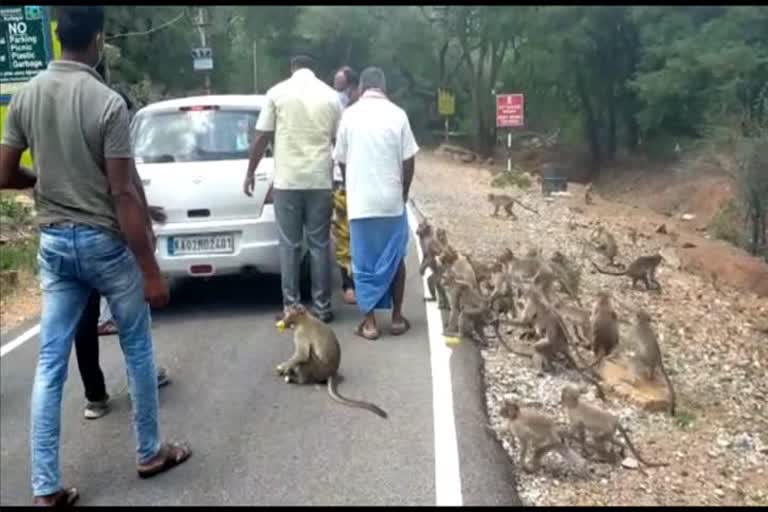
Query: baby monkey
[317,356]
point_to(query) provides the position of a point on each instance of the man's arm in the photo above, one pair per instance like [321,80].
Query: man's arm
[265,131]
[258,148]
[129,202]
[12,174]
[409,167]
[410,148]
[340,151]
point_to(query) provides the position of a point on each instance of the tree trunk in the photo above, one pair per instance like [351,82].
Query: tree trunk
[591,124]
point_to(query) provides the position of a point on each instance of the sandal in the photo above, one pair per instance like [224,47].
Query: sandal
[370,336]
[108,328]
[172,455]
[61,498]
[399,329]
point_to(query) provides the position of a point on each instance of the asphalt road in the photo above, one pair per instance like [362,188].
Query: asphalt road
[257,440]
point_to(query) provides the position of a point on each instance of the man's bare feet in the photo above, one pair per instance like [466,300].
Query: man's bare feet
[349,296]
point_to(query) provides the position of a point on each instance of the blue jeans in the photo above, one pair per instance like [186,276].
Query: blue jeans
[73,260]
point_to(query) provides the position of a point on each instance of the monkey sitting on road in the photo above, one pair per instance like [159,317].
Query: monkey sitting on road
[317,356]
[647,358]
[600,424]
[534,430]
[642,269]
[506,202]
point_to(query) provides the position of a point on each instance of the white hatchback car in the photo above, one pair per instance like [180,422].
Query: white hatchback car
[192,155]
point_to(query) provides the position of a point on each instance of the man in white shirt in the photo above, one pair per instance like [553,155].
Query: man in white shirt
[375,149]
[302,115]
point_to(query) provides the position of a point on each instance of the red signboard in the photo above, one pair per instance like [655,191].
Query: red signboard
[509,110]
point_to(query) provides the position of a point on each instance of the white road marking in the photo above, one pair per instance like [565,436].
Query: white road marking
[447,471]
[28,335]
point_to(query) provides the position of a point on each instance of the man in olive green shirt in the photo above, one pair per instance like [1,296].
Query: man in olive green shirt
[301,115]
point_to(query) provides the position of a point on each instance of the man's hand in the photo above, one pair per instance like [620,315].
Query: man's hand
[260,143]
[156,291]
[249,184]
[157,214]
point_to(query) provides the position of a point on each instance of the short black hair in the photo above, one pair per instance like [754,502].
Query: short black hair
[302,61]
[77,25]
[351,76]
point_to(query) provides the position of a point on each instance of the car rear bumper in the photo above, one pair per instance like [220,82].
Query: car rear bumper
[255,247]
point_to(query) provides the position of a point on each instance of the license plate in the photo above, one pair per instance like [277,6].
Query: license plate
[201,244]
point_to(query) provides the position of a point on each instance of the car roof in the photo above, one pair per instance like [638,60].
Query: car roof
[254,101]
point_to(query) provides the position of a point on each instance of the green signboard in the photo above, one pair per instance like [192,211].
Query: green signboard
[25,46]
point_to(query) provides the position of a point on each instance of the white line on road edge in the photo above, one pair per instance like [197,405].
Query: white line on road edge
[447,472]
[31,333]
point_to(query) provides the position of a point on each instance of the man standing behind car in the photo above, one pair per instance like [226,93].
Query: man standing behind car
[301,115]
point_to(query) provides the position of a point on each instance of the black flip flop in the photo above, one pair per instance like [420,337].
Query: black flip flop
[174,454]
[406,326]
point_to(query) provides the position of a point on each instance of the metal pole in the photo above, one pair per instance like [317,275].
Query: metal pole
[201,28]
[447,131]
[255,67]
[509,150]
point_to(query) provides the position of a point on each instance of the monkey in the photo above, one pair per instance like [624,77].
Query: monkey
[503,294]
[317,356]
[544,280]
[482,270]
[642,269]
[647,358]
[588,194]
[506,202]
[605,243]
[460,268]
[568,275]
[601,425]
[579,318]
[549,325]
[474,311]
[633,235]
[525,268]
[535,430]
[425,233]
[433,250]
[604,328]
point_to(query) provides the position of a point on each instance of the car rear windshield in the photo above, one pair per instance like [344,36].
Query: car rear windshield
[193,135]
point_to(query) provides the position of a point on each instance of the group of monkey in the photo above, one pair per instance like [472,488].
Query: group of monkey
[479,295]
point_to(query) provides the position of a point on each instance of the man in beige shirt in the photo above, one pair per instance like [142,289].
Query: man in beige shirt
[301,115]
